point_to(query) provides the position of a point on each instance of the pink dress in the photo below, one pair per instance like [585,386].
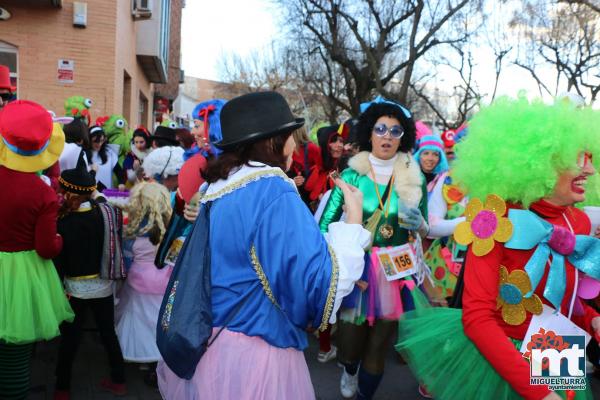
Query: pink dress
[139,302]
[262,371]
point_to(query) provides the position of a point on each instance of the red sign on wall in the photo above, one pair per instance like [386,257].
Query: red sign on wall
[65,71]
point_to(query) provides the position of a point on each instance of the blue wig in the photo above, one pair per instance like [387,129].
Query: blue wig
[433,143]
[211,110]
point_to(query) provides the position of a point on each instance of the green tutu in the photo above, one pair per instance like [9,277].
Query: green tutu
[433,343]
[32,299]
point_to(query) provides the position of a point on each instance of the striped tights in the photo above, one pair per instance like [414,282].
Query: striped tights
[14,370]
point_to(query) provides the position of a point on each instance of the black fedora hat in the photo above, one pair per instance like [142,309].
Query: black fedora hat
[255,116]
[165,133]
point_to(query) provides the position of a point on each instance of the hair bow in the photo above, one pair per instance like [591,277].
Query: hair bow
[379,100]
[143,129]
[203,114]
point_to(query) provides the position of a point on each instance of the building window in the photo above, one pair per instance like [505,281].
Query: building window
[127,96]
[165,28]
[9,57]
[143,111]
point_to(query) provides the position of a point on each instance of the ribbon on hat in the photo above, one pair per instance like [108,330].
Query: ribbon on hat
[203,113]
[25,153]
[380,100]
[582,251]
[431,143]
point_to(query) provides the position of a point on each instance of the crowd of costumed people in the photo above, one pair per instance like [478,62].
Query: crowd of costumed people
[209,255]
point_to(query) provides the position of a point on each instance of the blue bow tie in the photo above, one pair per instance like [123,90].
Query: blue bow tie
[551,240]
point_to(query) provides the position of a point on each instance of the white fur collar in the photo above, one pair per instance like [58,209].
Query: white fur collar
[408,180]
[139,154]
[242,177]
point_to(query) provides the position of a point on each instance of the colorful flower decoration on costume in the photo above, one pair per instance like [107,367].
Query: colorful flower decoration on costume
[554,245]
[452,194]
[484,225]
[511,297]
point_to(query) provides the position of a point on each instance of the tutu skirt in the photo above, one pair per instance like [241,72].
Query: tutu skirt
[383,299]
[32,300]
[433,343]
[241,367]
[136,316]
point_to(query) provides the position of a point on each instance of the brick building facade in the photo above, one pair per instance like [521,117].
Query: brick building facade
[170,90]
[117,57]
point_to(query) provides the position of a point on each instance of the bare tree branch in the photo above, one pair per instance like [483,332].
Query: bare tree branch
[588,3]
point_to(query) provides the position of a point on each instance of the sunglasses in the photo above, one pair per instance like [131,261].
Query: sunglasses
[585,158]
[98,139]
[6,96]
[395,131]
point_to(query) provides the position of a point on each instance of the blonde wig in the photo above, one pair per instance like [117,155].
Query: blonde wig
[149,210]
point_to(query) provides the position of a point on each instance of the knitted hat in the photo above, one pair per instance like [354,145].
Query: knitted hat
[433,143]
[163,162]
[77,180]
[29,140]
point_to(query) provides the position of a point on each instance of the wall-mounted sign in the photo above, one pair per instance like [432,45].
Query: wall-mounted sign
[65,71]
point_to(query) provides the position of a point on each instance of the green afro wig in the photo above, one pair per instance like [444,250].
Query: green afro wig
[516,149]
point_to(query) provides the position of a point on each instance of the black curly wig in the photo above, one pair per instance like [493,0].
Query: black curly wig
[369,117]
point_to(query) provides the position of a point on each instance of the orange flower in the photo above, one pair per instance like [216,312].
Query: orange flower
[484,225]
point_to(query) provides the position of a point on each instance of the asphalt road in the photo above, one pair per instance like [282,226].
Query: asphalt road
[91,366]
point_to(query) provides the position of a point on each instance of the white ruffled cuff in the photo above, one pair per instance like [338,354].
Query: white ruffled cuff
[348,242]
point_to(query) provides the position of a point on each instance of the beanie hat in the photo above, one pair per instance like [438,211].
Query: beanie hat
[433,143]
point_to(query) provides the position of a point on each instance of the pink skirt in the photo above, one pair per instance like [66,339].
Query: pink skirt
[144,277]
[241,367]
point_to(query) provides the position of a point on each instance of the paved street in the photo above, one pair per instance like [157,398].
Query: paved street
[90,367]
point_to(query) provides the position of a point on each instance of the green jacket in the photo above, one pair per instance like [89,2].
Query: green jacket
[407,177]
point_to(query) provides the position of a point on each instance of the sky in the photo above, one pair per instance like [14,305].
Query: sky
[211,28]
